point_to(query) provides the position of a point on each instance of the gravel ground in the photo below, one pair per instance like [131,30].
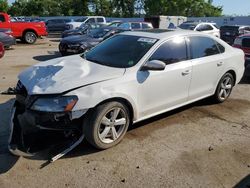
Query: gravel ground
[200,145]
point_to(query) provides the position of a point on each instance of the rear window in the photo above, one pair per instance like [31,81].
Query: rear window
[188,26]
[203,47]
[246,42]
[230,30]
[146,26]
[2,19]
[135,25]
[100,20]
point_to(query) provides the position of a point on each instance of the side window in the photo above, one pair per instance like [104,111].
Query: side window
[91,20]
[221,48]
[200,28]
[60,21]
[100,20]
[125,26]
[207,27]
[172,51]
[202,47]
[146,26]
[135,25]
[2,19]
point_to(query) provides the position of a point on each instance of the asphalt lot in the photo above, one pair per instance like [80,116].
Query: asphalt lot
[200,145]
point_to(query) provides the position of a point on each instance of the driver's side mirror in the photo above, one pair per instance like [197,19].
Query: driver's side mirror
[154,65]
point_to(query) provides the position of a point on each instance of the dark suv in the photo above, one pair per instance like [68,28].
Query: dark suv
[229,33]
[57,25]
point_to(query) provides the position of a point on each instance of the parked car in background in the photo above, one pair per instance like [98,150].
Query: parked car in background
[85,20]
[230,32]
[7,31]
[2,50]
[114,23]
[80,43]
[26,31]
[82,30]
[243,42]
[135,25]
[205,27]
[7,40]
[126,79]
[57,25]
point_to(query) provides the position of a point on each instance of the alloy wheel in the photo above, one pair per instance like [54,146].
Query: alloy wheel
[225,88]
[112,125]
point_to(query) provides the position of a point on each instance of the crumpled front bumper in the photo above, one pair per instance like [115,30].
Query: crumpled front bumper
[28,138]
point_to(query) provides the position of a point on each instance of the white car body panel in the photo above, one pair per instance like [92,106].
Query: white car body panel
[148,93]
[59,75]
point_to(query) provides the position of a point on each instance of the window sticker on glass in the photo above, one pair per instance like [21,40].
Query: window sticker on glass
[131,63]
[147,40]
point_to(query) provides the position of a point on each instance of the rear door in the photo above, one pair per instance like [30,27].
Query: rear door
[208,63]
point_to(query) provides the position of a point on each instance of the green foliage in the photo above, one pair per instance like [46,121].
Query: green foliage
[182,8]
[117,8]
[4,7]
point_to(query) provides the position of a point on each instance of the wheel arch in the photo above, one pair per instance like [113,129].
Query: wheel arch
[29,29]
[124,101]
[231,71]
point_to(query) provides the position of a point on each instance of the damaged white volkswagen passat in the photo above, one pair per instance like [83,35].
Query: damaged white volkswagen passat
[125,79]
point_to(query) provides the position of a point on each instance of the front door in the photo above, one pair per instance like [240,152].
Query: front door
[163,90]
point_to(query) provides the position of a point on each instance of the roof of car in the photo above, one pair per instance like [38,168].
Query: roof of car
[160,33]
[244,35]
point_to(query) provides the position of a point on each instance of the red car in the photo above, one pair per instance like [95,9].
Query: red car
[243,42]
[1,50]
[26,31]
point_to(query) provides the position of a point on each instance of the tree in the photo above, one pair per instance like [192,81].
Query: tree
[124,8]
[182,8]
[4,7]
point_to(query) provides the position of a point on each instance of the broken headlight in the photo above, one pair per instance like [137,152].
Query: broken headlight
[56,104]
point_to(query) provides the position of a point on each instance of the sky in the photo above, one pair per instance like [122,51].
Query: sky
[230,7]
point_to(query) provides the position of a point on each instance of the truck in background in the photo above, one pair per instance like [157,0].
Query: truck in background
[26,31]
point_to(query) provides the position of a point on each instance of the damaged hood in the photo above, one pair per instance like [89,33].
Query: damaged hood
[63,74]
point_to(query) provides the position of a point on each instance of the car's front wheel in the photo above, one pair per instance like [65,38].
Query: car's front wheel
[224,88]
[106,125]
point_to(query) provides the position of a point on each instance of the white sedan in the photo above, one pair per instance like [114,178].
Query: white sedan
[125,79]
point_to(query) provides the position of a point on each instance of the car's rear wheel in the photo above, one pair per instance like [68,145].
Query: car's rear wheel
[30,37]
[106,125]
[224,88]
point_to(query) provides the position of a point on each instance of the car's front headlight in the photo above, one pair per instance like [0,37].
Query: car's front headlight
[55,104]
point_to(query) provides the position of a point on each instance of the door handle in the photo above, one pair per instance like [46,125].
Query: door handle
[187,72]
[220,64]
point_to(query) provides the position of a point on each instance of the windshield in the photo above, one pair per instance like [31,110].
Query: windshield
[187,26]
[98,33]
[121,51]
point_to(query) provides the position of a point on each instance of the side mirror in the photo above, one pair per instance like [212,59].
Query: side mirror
[154,65]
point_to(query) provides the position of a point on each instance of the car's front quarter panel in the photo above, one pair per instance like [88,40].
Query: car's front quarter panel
[121,88]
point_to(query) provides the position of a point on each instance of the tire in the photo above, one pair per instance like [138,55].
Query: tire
[100,129]
[29,37]
[224,88]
